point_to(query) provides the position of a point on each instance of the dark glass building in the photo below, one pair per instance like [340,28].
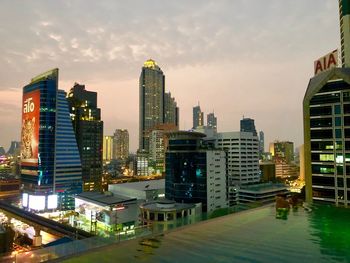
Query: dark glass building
[198,117]
[88,128]
[247,125]
[50,162]
[194,173]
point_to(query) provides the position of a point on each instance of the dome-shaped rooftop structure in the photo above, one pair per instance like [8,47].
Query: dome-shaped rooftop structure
[150,63]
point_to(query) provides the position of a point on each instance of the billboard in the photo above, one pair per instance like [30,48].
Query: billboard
[326,62]
[30,128]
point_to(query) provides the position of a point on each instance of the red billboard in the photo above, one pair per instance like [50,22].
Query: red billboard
[30,128]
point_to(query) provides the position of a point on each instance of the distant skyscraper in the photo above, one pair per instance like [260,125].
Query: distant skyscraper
[2,151]
[50,161]
[14,148]
[152,89]
[171,111]
[282,152]
[121,144]
[247,125]
[212,121]
[261,144]
[198,117]
[344,14]
[108,148]
[88,127]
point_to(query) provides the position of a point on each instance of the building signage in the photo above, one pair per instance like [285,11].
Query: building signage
[30,128]
[326,62]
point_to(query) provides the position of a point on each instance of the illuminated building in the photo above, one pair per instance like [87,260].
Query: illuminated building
[108,148]
[88,128]
[282,151]
[50,161]
[9,188]
[247,125]
[121,144]
[198,117]
[344,16]
[194,172]
[212,121]
[152,89]
[142,163]
[242,160]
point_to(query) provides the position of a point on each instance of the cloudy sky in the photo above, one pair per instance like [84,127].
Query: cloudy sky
[236,57]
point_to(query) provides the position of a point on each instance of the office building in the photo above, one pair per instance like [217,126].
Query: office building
[198,117]
[50,162]
[261,144]
[247,125]
[88,128]
[152,89]
[195,173]
[344,16]
[171,111]
[121,144]
[282,151]
[212,121]
[142,163]
[14,149]
[108,151]
[268,171]
[326,133]
[242,150]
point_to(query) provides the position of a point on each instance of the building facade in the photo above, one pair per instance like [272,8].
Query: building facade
[121,144]
[88,128]
[247,125]
[242,150]
[261,144]
[327,137]
[152,90]
[212,121]
[171,111]
[344,16]
[198,117]
[194,173]
[108,149]
[282,151]
[50,163]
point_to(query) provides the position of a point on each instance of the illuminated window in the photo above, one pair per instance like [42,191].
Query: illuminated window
[326,157]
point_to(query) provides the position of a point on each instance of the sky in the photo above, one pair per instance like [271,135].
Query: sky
[235,57]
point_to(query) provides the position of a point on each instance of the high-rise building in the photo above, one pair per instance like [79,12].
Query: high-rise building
[242,150]
[171,111]
[50,161]
[344,15]
[261,144]
[88,128]
[152,89]
[198,117]
[212,121]
[282,151]
[194,173]
[121,144]
[247,125]
[14,148]
[108,148]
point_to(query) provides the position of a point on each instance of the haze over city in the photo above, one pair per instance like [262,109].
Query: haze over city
[251,58]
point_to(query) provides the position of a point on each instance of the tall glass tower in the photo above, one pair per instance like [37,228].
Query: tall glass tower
[50,162]
[198,117]
[152,89]
[344,16]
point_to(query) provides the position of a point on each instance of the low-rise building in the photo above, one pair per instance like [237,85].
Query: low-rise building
[260,193]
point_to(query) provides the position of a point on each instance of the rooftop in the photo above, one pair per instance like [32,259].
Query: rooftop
[144,185]
[104,199]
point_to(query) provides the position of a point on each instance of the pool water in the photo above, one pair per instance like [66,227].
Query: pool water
[321,234]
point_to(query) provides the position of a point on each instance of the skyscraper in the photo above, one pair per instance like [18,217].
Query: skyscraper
[171,111]
[247,125]
[198,117]
[50,161]
[108,148]
[261,144]
[344,15]
[282,151]
[212,121]
[327,127]
[88,128]
[121,144]
[152,89]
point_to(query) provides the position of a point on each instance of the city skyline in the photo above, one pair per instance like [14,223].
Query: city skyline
[205,58]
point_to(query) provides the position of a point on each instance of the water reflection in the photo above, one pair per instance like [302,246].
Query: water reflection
[330,228]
